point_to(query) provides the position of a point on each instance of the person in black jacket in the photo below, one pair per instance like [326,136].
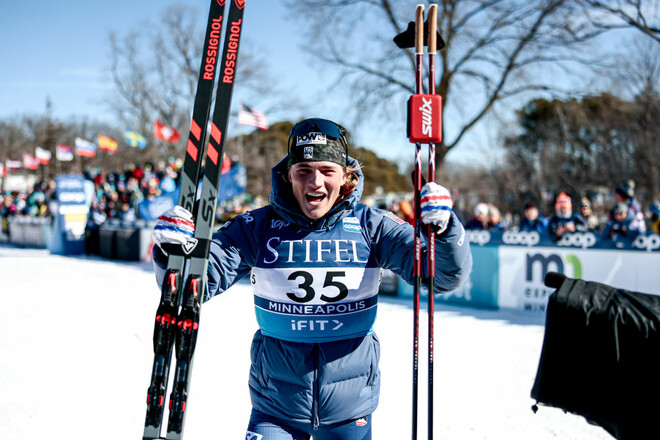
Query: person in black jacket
[565,221]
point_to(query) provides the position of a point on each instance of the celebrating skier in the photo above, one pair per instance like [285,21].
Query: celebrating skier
[315,255]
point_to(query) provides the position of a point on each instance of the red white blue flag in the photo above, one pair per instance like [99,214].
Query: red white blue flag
[252,117]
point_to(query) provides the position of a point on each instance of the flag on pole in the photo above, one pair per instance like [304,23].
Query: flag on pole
[106,143]
[253,117]
[42,155]
[30,162]
[64,153]
[226,165]
[85,148]
[135,139]
[13,164]
[166,133]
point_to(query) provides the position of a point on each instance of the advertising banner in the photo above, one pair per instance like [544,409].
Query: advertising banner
[522,271]
[479,290]
[73,207]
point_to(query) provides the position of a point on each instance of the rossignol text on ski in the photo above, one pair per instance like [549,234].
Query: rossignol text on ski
[177,316]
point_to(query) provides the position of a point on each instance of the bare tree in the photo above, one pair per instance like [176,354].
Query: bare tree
[22,135]
[155,72]
[496,50]
[616,14]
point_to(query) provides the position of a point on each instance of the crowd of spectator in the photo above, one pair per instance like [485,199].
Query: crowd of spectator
[118,194]
[623,223]
[34,203]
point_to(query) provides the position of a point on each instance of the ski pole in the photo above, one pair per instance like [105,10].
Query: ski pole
[424,126]
[430,242]
[417,271]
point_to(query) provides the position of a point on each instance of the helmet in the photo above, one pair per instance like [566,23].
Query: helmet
[317,139]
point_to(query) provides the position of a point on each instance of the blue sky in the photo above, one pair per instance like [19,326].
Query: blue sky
[60,50]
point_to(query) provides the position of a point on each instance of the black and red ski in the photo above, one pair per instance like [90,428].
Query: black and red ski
[177,316]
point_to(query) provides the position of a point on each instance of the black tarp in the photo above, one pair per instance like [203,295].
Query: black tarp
[601,357]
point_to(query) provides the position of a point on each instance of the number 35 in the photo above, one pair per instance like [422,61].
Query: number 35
[306,285]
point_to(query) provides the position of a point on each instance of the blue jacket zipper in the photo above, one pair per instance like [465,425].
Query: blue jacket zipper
[315,390]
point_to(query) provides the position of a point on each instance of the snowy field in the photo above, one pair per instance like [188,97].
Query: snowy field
[76,353]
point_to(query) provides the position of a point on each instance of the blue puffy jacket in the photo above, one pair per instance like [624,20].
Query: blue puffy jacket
[315,357]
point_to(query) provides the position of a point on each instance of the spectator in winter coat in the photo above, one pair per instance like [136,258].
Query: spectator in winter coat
[533,220]
[480,219]
[127,213]
[624,227]
[625,193]
[314,255]
[588,215]
[495,220]
[654,218]
[565,221]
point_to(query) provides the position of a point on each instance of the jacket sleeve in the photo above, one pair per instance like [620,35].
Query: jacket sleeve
[232,254]
[394,249]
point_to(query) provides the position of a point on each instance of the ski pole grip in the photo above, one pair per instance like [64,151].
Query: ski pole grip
[433,26]
[419,29]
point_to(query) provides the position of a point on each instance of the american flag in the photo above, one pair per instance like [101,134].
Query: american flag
[252,117]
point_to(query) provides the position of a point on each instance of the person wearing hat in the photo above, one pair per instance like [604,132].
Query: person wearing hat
[588,214]
[625,193]
[565,220]
[314,257]
[533,220]
[480,218]
[624,227]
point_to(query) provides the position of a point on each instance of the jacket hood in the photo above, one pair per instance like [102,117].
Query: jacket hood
[286,206]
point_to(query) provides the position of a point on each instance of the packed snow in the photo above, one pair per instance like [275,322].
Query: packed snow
[76,353]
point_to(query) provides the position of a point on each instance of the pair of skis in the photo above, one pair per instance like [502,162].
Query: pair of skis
[177,316]
[424,126]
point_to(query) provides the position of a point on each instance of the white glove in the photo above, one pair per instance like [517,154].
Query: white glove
[175,226]
[436,204]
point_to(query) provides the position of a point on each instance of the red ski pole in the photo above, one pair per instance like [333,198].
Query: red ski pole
[424,126]
[417,270]
[430,242]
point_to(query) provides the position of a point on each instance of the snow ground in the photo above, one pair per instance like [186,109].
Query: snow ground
[76,353]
